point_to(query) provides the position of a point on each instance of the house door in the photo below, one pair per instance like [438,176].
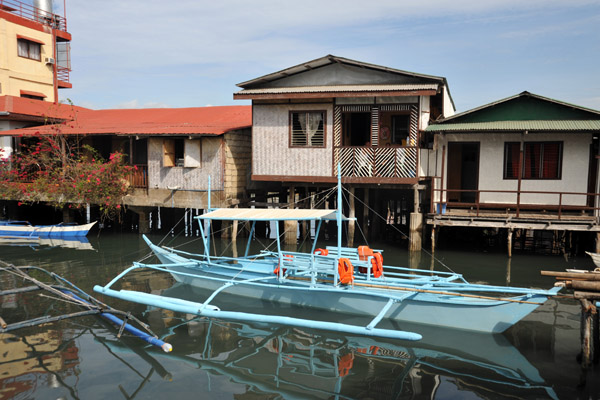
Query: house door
[463,172]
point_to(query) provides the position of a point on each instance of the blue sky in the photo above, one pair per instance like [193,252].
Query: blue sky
[192,53]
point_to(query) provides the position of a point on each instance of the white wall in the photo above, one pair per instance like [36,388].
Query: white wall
[271,154]
[574,178]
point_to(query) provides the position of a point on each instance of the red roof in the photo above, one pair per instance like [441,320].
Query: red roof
[22,108]
[152,121]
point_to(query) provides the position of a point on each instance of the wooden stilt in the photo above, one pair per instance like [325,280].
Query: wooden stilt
[596,333]
[432,240]
[291,227]
[416,225]
[509,241]
[586,328]
[351,215]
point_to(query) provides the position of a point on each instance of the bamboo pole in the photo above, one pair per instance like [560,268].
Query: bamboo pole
[590,276]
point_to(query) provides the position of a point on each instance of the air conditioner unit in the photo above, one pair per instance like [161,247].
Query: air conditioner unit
[49,60]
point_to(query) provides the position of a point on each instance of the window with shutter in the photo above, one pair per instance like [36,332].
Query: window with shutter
[307,129]
[541,160]
[169,153]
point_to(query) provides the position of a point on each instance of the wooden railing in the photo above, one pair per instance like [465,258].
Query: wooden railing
[377,162]
[139,176]
[554,202]
[30,12]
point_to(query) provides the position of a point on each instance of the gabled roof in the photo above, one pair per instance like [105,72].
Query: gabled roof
[328,60]
[157,121]
[333,76]
[522,112]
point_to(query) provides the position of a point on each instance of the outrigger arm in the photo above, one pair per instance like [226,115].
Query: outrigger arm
[206,310]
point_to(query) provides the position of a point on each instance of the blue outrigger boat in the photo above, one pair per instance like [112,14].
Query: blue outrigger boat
[340,279]
[62,230]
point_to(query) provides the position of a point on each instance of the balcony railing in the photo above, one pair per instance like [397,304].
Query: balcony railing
[551,203]
[139,176]
[30,12]
[377,162]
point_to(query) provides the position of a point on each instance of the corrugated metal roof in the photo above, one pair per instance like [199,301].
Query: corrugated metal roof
[157,121]
[268,214]
[571,125]
[522,94]
[341,88]
[331,59]
[37,108]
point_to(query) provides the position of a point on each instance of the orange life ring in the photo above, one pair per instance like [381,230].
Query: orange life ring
[345,271]
[377,263]
[321,252]
[287,257]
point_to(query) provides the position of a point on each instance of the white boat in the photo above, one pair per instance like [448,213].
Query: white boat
[62,230]
[595,258]
[338,279]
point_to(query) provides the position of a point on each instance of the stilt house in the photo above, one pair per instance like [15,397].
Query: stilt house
[367,118]
[522,163]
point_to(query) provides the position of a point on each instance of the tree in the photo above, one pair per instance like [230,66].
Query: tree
[50,168]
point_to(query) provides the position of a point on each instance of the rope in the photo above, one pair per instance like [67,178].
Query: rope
[398,230]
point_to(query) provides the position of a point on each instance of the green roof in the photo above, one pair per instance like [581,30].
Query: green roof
[531,125]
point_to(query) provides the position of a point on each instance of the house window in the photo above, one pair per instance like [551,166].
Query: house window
[307,129]
[541,160]
[182,153]
[29,49]
[400,129]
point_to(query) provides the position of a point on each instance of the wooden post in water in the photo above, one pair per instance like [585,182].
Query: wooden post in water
[432,240]
[586,332]
[351,216]
[291,227]
[416,222]
[509,241]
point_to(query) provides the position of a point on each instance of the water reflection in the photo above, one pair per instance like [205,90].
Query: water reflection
[295,363]
[79,243]
[217,359]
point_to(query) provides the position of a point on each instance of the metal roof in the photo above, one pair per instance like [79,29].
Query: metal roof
[522,94]
[340,88]
[331,59]
[545,126]
[269,214]
[158,121]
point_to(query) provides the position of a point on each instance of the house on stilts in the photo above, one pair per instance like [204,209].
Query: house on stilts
[526,165]
[367,118]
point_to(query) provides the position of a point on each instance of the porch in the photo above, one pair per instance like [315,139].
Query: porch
[558,213]
[393,164]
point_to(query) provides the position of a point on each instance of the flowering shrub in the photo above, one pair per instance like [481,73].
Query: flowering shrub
[50,171]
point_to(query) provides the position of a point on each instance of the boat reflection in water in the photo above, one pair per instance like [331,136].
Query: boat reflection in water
[77,243]
[298,363]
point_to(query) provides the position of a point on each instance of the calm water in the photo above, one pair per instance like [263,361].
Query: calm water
[82,358]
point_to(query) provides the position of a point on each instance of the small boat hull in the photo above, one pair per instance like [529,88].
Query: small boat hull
[58,231]
[454,312]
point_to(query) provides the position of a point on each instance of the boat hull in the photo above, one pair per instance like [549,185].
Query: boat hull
[455,312]
[58,231]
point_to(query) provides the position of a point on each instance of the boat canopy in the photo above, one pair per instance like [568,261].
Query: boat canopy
[269,214]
